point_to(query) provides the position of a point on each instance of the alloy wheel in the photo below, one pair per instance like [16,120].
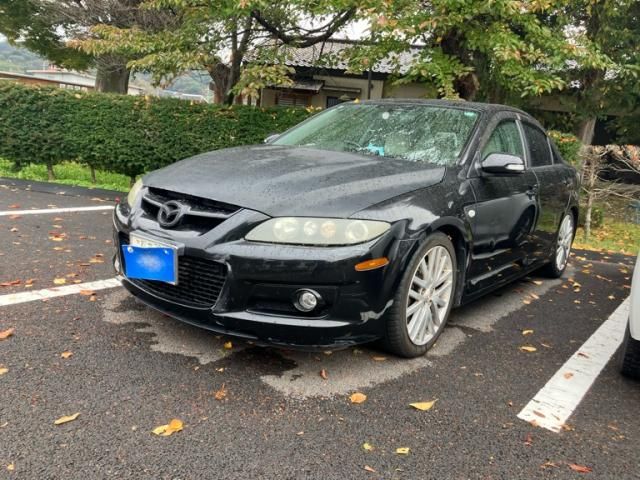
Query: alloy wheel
[429,295]
[565,237]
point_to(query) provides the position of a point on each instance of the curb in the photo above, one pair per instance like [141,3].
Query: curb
[61,189]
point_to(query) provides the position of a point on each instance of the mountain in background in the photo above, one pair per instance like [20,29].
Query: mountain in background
[19,60]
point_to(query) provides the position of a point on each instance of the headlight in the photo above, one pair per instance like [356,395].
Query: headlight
[317,231]
[133,193]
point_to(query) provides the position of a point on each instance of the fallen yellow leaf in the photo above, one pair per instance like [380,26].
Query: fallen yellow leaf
[11,467]
[367,447]
[3,370]
[66,418]
[357,397]
[66,354]
[4,334]
[221,393]
[228,345]
[173,426]
[59,281]
[527,332]
[424,406]
[402,451]
[527,348]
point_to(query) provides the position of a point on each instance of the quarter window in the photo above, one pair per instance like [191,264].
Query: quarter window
[504,139]
[539,149]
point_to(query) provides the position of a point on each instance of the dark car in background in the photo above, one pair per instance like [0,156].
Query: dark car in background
[369,221]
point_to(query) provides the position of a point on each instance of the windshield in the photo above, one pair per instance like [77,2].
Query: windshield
[415,133]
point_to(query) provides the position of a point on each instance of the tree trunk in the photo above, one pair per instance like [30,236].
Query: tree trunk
[93,174]
[50,174]
[112,78]
[586,130]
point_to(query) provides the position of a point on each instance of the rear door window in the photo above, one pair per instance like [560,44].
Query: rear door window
[539,149]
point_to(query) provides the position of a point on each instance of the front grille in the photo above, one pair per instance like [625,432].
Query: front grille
[202,214]
[200,281]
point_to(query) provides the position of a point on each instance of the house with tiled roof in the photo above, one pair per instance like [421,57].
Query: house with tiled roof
[322,79]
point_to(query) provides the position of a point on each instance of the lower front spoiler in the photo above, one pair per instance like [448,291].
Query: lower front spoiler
[266,330]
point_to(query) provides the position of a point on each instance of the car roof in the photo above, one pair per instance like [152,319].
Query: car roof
[482,107]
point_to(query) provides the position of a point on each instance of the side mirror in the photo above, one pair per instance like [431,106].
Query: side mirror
[271,138]
[502,164]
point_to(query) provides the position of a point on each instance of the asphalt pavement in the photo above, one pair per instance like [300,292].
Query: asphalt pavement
[265,413]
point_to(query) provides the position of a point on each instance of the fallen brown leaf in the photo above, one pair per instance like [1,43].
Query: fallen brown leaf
[357,397]
[228,345]
[528,348]
[221,393]
[323,374]
[580,468]
[369,469]
[568,375]
[11,283]
[172,427]
[4,334]
[379,359]
[424,406]
[66,418]
[87,292]
[66,354]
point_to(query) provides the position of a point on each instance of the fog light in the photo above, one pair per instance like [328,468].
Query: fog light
[306,300]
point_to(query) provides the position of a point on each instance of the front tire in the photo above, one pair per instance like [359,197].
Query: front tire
[562,250]
[424,299]
[630,364]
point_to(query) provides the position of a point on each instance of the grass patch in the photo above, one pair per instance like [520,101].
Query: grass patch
[623,237]
[67,173]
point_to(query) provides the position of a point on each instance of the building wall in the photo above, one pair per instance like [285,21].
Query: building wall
[379,89]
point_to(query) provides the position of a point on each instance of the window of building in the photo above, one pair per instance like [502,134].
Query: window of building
[301,100]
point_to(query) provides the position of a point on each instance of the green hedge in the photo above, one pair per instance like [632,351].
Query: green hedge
[124,134]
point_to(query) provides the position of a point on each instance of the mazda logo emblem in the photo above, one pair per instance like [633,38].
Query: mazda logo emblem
[170,213]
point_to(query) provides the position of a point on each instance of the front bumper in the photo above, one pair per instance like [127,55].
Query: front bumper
[256,300]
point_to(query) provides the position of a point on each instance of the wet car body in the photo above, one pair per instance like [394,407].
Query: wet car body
[502,227]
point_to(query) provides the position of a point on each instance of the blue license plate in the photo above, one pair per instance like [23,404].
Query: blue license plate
[150,263]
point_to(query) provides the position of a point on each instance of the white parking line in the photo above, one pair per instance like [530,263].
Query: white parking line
[553,405]
[23,297]
[55,210]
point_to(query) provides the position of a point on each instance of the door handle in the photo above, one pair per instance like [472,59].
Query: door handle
[532,191]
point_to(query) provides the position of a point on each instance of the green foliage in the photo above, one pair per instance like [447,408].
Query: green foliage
[597,217]
[124,134]
[68,173]
[569,146]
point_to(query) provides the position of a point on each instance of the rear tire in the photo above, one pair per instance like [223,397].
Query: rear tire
[562,248]
[423,300]
[630,364]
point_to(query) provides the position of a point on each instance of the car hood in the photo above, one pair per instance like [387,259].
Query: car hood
[294,181]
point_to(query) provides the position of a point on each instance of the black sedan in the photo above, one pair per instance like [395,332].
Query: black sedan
[369,221]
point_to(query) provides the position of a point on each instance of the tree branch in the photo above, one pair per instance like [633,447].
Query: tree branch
[302,41]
